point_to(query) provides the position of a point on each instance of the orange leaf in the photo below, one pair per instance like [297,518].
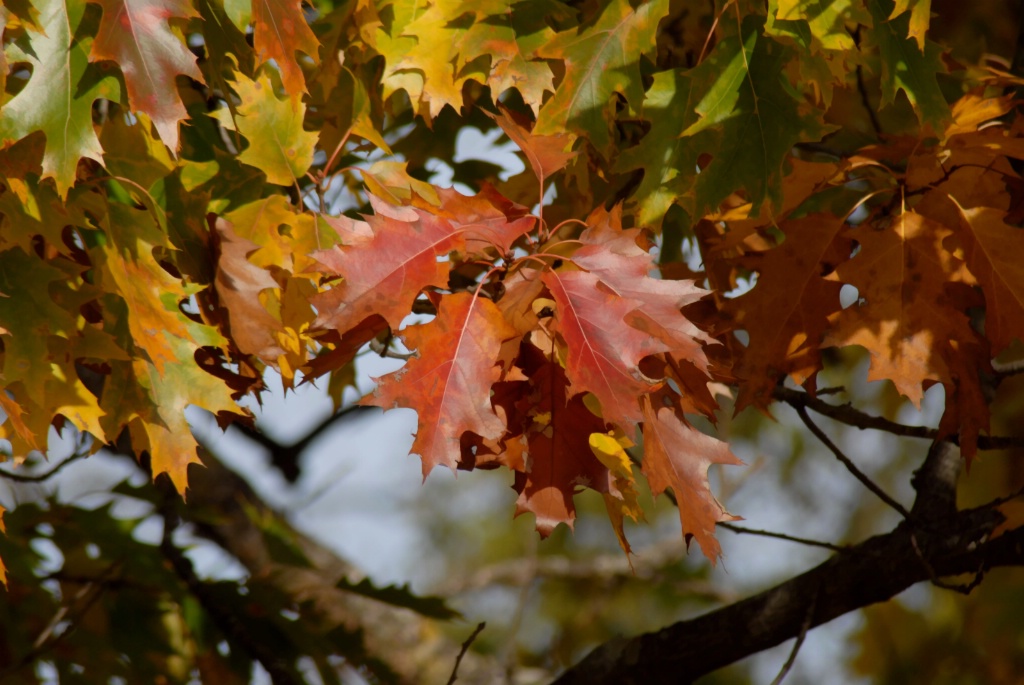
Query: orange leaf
[546,154]
[677,456]
[385,274]
[603,351]
[281,29]
[449,380]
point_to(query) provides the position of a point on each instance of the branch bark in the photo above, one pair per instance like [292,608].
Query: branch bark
[936,541]
[223,508]
[873,571]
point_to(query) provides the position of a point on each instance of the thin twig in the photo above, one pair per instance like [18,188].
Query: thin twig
[465,648]
[850,466]
[83,600]
[782,536]
[862,89]
[39,478]
[846,413]
[804,627]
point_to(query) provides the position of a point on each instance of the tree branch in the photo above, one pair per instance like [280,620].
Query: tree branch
[850,466]
[877,570]
[286,457]
[846,413]
[394,641]
[231,625]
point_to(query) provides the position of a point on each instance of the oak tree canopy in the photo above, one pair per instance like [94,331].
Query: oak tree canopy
[719,203]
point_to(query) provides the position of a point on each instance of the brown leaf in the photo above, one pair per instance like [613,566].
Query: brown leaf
[559,456]
[992,252]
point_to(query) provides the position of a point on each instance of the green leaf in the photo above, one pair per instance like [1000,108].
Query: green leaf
[905,66]
[668,160]
[601,60]
[58,98]
[765,123]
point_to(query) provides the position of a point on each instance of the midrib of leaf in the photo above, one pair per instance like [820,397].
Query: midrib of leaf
[592,66]
[458,348]
[577,319]
[273,20]
[753,92]
[135,40]
[283,150]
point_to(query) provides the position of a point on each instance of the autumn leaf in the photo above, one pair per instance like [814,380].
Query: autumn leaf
[239,284]
[280,30]
[449,380]
[601,59]
[508,33]
[546,154]
[613,255]
[486,219]
[678,456]
[59,96]
[40,338]
[792,306]
[603,352]
[437,37]
[621,498]
[920,16]
[990,250]
[405,261]
[907,319]
[136,35]
[559,459]
[278,145]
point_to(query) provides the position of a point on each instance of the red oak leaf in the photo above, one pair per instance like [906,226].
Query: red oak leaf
[546,154]
[487,218]
[559,459]
[613,254]
[385,274]
[677,456]
[449,380]
[281,29]
[239,283]
[136,35]
[603,350]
